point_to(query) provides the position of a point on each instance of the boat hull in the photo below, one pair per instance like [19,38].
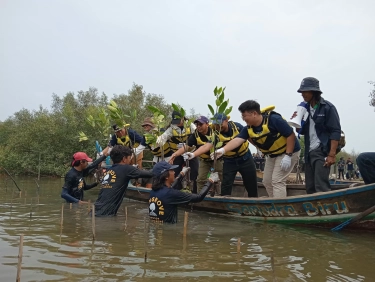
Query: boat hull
[326,209]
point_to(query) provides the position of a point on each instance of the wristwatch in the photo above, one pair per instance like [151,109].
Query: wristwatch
[289,154]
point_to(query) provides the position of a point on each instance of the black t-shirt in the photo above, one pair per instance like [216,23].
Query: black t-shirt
[163,203]
[74,183]
[113,187]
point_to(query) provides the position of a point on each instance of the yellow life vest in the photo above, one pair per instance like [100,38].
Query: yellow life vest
[268,143]
[158,152]
[125,141]
[240,150]
[200,142]
[178,138]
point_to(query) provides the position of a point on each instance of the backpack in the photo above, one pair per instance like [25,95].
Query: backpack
[342,142]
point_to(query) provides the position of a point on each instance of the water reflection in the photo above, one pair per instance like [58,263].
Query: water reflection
[210,251]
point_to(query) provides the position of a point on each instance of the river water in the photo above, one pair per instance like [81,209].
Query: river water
[216,247]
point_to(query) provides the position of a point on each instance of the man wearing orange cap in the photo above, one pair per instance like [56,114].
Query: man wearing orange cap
[75,184]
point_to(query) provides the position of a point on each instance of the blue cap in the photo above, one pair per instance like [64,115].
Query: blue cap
[161,167]
[202,119]
[219,118]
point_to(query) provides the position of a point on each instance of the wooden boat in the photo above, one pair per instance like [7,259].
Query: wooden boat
[321,209]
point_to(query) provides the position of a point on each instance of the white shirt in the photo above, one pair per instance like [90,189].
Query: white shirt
[314,140]
[169,133]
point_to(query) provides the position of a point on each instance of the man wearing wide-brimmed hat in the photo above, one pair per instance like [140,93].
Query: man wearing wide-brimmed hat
[322,132]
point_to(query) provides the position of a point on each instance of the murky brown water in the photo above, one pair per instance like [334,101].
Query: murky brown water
[268,252]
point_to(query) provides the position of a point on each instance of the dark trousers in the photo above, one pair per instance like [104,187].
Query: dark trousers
[316,174]
[341,173]
[366,164]
[194,167]
[248,172]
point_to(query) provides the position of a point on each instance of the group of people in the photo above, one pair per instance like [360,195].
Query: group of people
[351,171]
[210,154]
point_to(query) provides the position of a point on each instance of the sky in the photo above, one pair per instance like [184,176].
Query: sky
[259,50]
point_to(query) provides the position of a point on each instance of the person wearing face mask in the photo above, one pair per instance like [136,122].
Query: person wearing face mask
[322,132]
[164,199]
[272,135]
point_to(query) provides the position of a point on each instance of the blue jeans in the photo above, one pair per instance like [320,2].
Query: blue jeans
[366,164]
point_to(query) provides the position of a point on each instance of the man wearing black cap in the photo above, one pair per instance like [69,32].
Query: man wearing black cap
[322,131]
[164,200]
[202,135]
[236,160]
[177,134]
[126,137]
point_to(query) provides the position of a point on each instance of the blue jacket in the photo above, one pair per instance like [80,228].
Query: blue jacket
[327,126]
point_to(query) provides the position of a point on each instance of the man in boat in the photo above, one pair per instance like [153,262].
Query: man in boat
[160,153]
[75,184]
[322,132]
[164,199]
[177,134]
[116,180]
[238,159]
[366,164]
[272,135]
[203,134]
[126,137]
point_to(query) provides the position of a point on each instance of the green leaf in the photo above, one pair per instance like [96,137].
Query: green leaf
[221,97]
[215,91]
[228,111]
[211,109]
[222,107]
[113,103]
[175,107]
[217,102]
[219,145]
[220,90]
[153,109]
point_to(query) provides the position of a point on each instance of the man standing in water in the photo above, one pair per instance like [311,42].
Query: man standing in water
[116,180]
[75,184]
[322,131]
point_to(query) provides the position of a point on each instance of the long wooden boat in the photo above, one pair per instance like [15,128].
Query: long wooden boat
[321,209]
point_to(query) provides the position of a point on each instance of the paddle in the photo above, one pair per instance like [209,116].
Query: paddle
[12,179]
[354,219]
